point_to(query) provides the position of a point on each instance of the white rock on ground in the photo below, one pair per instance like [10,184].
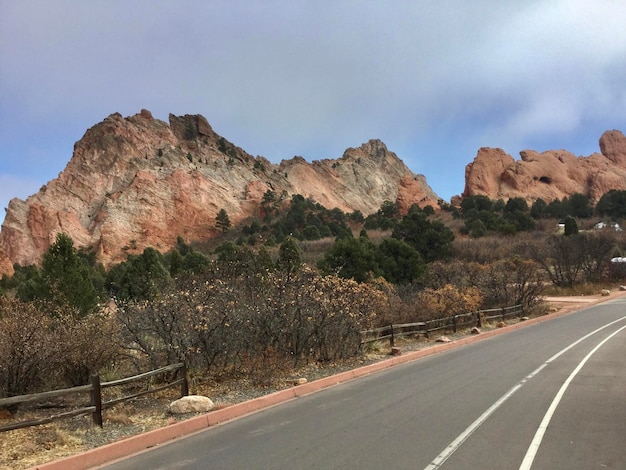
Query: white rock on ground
[191,404]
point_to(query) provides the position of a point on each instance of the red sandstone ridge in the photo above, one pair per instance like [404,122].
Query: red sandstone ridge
[137,181]
[550,175]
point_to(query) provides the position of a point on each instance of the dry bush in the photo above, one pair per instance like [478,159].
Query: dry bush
[84,344]
[251,321]
[313,250]
[502,282]
[27,348]
[459,273]
[568,260]
[482,250]
[446,302]
[43,348]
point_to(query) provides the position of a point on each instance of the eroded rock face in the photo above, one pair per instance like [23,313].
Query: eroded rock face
[550,175]
[137,181]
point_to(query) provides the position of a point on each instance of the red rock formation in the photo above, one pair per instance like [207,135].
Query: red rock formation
[548,175]
[137,181]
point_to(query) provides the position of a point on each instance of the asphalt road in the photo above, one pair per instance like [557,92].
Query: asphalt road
[549,396]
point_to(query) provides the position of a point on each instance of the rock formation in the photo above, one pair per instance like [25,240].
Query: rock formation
[138,181]
[548,175]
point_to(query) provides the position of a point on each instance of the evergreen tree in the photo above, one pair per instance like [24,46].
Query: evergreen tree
[289,256]
[612,204]
[580,206]
[432,239]
[538,209]
[571,227]
[351,258]
[66,278]
[141,277]
[222,221]
[399,262]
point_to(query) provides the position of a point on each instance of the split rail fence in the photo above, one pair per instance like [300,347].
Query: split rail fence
[96,404]
[452,323]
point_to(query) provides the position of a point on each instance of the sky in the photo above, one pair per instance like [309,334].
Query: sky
[435,80]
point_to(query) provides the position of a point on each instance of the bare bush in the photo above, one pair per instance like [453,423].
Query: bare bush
[251,321]
[83,345]
[567,260]
[25,347]
[43,348]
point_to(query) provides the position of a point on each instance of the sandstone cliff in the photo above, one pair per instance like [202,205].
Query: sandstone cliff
[548,175]
[138,181]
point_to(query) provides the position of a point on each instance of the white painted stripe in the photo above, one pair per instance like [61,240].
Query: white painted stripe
[454,445]
[543,427]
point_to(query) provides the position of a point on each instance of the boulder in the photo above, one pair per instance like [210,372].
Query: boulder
[549,175]
[299,381]
[191,404]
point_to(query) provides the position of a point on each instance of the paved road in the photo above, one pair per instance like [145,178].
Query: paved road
[549,396]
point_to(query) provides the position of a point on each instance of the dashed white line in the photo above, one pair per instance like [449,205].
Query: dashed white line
[455,444]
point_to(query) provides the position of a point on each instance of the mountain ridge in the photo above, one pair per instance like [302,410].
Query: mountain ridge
[137,181]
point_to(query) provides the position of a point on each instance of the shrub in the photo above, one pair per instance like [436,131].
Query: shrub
[447,301]
[25,347]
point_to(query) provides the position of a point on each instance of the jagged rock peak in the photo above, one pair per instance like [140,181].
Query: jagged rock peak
[137,181]
[549,175]
[190,126]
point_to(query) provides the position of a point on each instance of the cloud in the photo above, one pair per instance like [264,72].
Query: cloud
[435,80]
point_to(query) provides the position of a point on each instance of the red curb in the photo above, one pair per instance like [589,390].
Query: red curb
[125,447]
[135,444]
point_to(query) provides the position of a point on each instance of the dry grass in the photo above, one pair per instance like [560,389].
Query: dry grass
[586,289]
[24,448]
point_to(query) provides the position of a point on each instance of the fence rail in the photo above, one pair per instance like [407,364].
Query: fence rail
[452,323]
[96,404]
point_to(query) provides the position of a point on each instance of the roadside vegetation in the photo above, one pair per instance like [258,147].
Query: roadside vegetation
[294,286]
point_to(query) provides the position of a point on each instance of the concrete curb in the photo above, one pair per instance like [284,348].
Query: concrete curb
[132,445]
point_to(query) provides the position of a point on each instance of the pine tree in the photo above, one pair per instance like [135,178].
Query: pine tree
[222,221]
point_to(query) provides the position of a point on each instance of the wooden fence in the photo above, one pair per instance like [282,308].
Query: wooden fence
[451,323]
[96,404]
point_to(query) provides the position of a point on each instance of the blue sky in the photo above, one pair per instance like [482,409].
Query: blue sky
[434,79]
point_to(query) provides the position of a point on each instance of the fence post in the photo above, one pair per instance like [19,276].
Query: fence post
[454,323]
[391,338]
[184,387]
[479,319]
[503,314]
[96,400]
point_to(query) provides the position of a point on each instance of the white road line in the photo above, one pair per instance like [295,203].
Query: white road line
[455,444]
[536,442]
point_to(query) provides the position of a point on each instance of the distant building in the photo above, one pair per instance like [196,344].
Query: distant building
[612,225]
